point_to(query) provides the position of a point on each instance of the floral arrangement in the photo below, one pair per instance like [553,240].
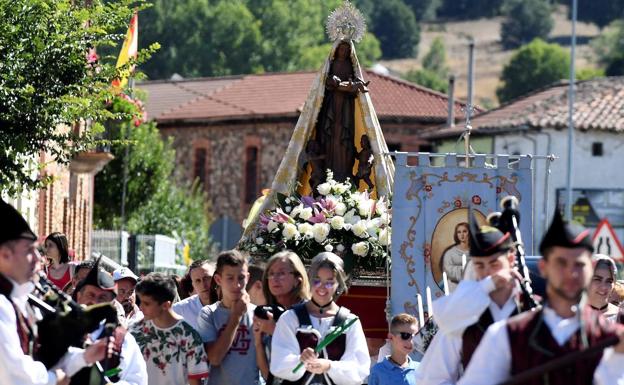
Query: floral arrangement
[340,219]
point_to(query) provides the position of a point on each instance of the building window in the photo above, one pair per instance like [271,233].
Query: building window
[199,166]
[597,149]
[251,174]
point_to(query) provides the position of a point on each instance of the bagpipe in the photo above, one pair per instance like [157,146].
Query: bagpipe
[64,322]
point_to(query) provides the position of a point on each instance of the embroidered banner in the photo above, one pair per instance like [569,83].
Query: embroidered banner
[430,214]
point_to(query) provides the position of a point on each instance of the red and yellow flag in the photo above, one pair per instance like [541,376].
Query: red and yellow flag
[128,50]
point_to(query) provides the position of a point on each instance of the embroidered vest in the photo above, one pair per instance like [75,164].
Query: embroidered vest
[532,344]
[335,350]
[24,328]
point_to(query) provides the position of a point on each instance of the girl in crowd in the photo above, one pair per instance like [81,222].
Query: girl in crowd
[343,362]
[601,286]
[285,284]
[59,270]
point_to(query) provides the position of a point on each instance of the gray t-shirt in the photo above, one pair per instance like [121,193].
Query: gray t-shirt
[239,366]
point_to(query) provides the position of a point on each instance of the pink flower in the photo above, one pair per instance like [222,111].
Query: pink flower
[92,56]
[318,217]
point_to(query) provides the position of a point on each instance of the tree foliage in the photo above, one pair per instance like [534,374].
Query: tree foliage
[434,72]
[424,10]
[47,84]
[525,20]
[395,26]
[599,12]
[533,66]
[609,48]
[469,9]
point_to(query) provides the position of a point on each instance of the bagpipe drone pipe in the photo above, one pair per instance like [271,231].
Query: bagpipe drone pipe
[65,323]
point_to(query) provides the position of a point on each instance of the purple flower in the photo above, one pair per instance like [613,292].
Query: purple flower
[308,201]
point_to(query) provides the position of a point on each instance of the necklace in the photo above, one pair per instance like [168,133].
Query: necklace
[599,309]
[321,307]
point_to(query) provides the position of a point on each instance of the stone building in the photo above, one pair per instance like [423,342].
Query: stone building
[231,132]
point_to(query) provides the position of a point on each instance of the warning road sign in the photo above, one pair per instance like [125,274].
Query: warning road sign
[606,241]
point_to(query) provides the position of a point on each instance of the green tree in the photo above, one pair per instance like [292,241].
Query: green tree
[599,12]
[525,20]
[48,84]
[424,10]
[434,72]
[469,9]
[533,66]
[395,26]
[609,48]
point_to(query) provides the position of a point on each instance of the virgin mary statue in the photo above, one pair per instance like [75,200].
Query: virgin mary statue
[338,129]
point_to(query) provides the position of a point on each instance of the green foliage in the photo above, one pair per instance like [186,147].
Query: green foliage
[609,48]
[525,20]
[424,10]
[47,85]
[395,26]
[589,73]
[533,66]
[469,9]
[599,12]
[434,72]
[176,210]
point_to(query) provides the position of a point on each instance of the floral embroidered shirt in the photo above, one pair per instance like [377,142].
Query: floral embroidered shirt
[173,355]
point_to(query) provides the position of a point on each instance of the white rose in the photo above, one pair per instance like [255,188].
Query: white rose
[287,209]
[371,228]
[305,229]
[337,223]
[254,249]
[384,236]
[384,219]
[340,188]
[359,229]
[341,208]
[259,241]
[351,218]
[365,206]
[360,248]
[329,248]
[290,231]
[324,188]
[306,213]
[272,225]
[380,207]
[340,248]
[321,230]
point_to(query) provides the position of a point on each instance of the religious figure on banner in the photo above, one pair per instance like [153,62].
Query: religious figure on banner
[335,128]
[453,257]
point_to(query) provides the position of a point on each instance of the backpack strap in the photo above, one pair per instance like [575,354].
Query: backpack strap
[302,314]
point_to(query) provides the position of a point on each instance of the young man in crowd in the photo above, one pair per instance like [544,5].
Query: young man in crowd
[97,288]
[464,316]
[201,272]
[226,326]
[172,349]
[398,368]
[561,327]
[126,280]
[254,285]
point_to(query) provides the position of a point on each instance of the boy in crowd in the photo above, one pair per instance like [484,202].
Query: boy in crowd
[172,349]
[200,272]
[254,285]
[398,368]
[226,326]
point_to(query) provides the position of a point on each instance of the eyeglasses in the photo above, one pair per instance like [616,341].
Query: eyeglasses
[279,275]
[405,336]
[327,284]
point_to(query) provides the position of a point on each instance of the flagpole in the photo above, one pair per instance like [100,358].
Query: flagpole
[568,211]
[124,179]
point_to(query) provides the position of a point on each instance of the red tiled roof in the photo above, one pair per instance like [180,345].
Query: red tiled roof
[282,94]
[598,105]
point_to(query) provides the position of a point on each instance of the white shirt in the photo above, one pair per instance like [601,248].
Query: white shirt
[189,309]
[352,368]
[487,368]
[442,361]
[17,368]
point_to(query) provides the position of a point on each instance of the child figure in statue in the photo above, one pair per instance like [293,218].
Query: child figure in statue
[365,163]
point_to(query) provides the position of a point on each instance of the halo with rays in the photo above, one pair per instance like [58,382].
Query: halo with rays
[346,23]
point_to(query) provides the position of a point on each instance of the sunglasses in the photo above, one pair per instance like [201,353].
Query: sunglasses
[405,336]
[327,284]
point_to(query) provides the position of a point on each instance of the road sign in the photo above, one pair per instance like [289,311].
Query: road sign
[606,242]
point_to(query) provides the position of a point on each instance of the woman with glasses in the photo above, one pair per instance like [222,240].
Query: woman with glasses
[601,286]
[284,284]
[345,361]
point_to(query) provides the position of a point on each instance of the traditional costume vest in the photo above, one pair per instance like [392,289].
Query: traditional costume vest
[532,344]
[307,338]
[24,327]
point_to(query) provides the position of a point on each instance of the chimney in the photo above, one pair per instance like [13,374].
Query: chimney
[450,120]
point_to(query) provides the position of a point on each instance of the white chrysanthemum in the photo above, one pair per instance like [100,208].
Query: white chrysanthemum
[324,188]
[254,249]
[340,248]
[290,231]
[385,236]
[287,209]
[360,248]
[337,222]
[341,209]
[329,248]
[364,207]
[340,188]
[321,231]
[305,229]
[359,229]
[306,213]
[272,225]
[259,240]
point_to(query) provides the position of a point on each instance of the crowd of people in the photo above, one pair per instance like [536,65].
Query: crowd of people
[231,322]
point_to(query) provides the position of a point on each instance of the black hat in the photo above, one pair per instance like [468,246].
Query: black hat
[486,240]
[98,278]
[12,225]
[564,234]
